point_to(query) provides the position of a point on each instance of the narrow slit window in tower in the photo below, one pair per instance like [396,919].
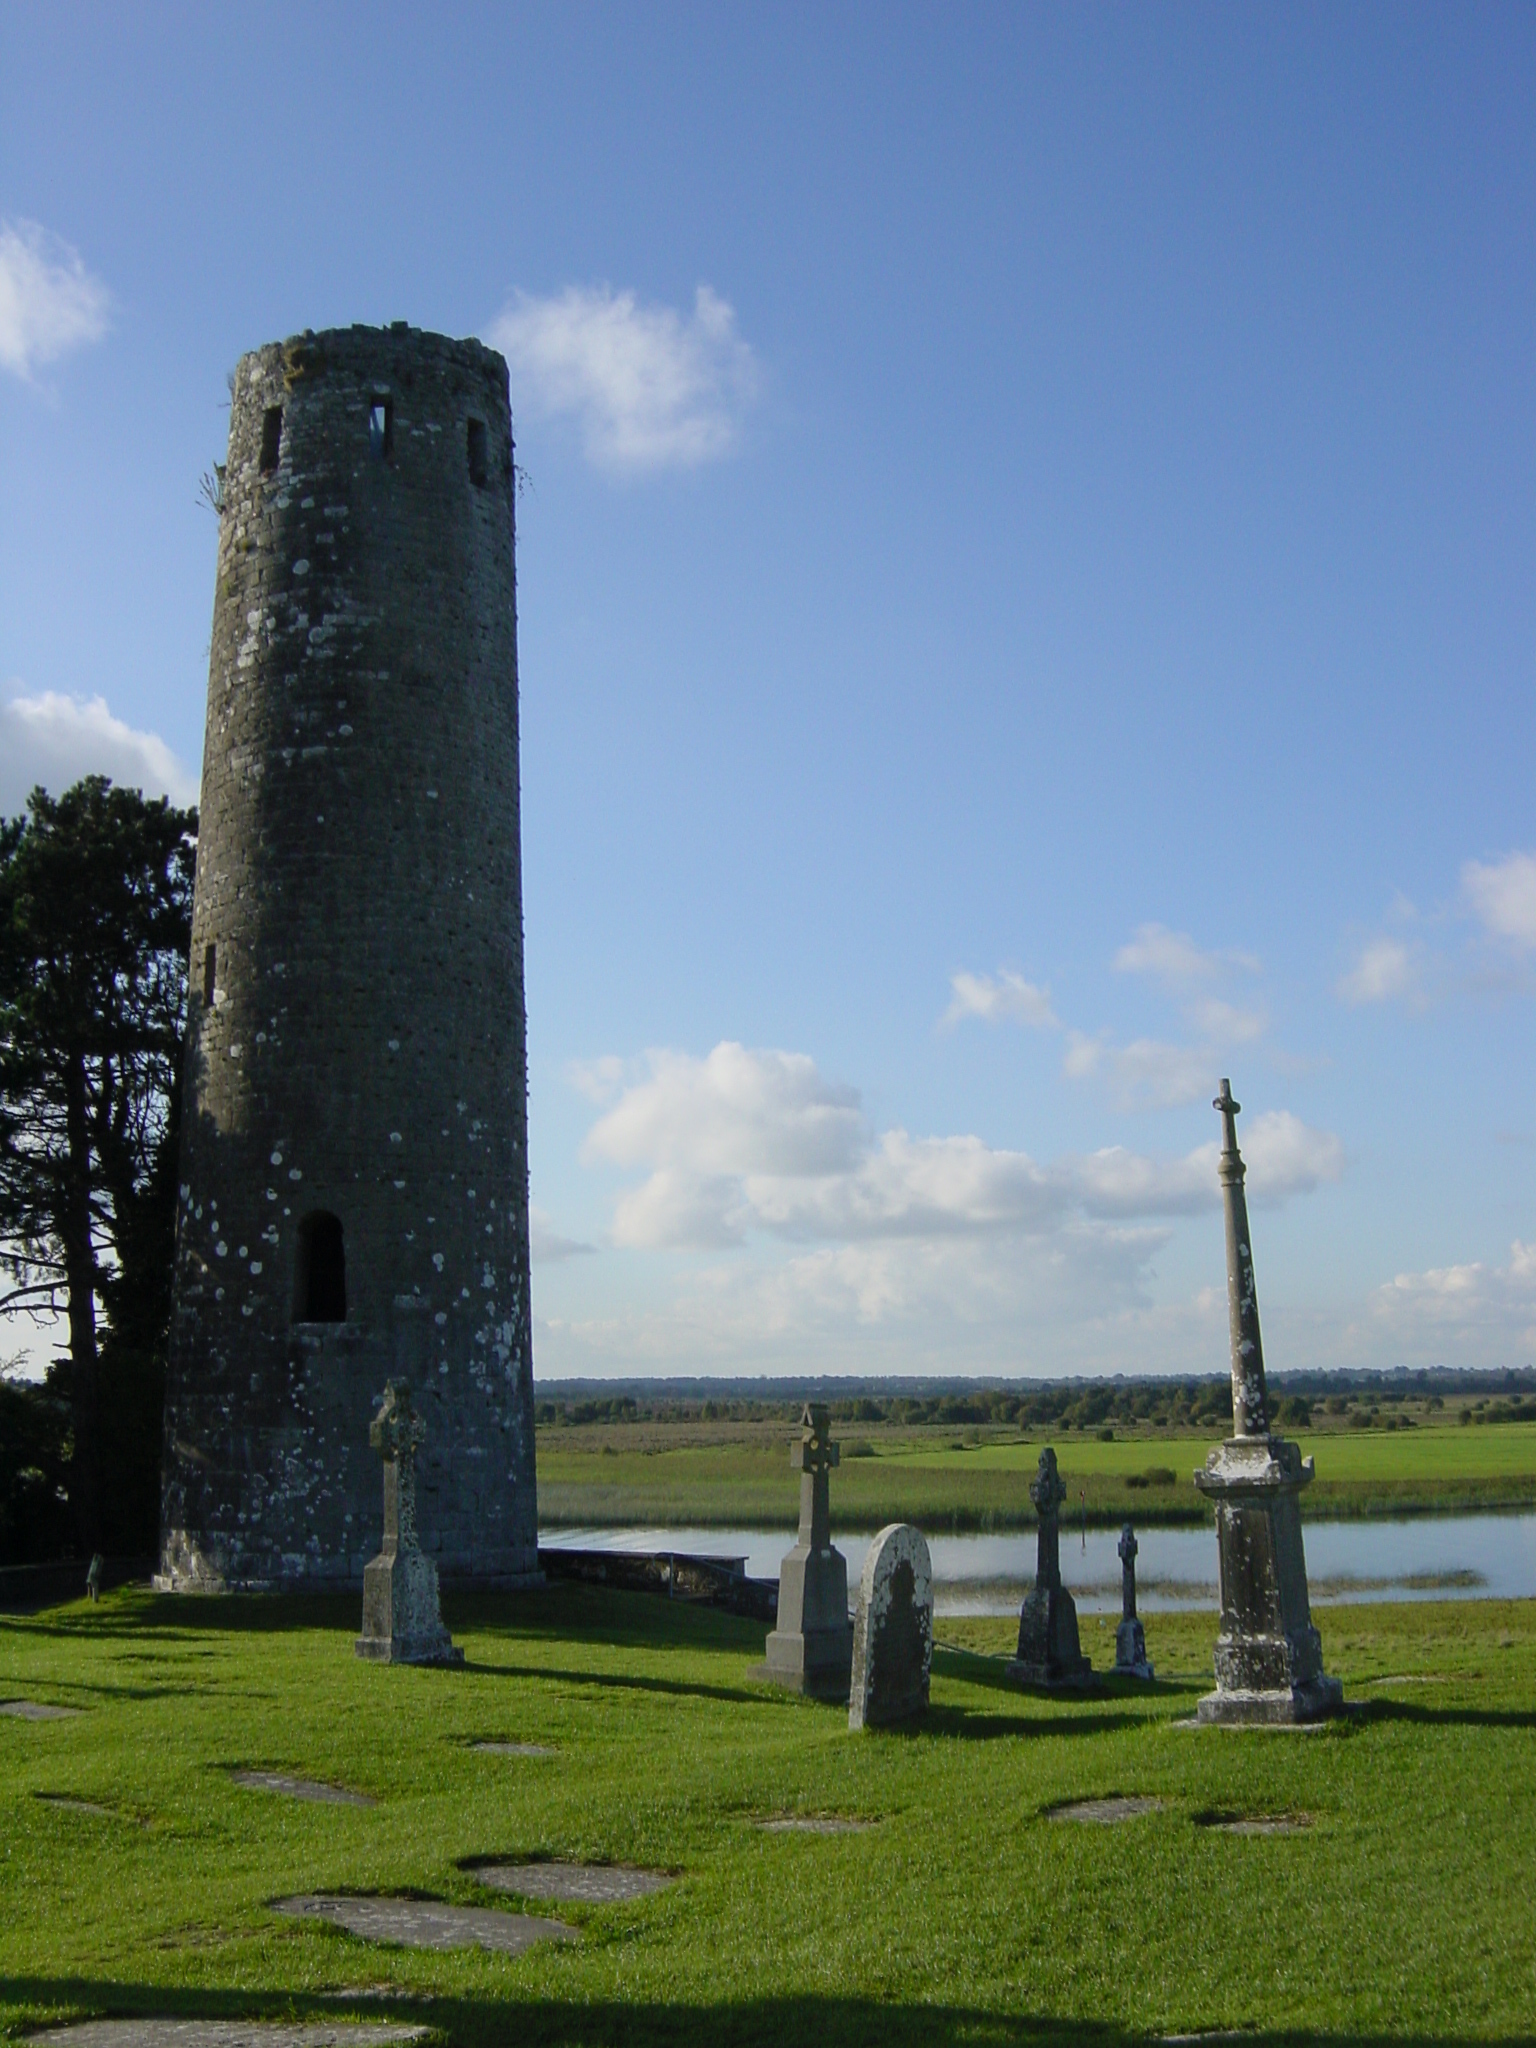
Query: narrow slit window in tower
[478,471]
[320,1278]
[271,438]
[210,972]
[381,429]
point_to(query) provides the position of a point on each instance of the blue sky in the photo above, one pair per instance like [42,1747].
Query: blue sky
[1026,607]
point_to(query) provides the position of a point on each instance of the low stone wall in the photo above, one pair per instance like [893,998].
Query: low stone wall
[717,1581]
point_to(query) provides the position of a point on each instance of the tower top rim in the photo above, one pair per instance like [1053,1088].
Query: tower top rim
[362,342]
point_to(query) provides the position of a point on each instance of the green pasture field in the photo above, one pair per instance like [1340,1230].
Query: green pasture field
[1400,1909]
[610,1475]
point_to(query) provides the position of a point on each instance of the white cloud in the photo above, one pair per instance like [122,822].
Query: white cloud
[650,387]
[49,301]
[1146,1074]
[546,1246]
[1174,958]
[736,1112]
[55,740]
[1385,970]
[750,1142]
[1474,1314]
[1502,896]
[996,996]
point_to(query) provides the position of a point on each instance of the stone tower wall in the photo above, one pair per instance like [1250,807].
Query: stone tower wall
[356,1037]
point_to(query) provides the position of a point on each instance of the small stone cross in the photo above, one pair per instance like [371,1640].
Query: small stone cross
[396,1435]
[1128,1547]
[813,1458]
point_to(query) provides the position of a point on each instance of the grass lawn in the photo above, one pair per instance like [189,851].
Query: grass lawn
[964,1914]
[609,1475]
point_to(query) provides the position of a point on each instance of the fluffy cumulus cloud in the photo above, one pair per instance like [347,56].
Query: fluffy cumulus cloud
[746,1143]
[993,997]
[1476,1314]
[54,740]
[1142,1073]
[1502,896]
[649,387]
[49,301]
[1385,970]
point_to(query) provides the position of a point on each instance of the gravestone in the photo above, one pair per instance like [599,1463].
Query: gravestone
[299,1788]
[1130,1640]
[427,1923]
[402,1614]
[892,1630]
[811,1650]
[1269,1657]
[1049,1652]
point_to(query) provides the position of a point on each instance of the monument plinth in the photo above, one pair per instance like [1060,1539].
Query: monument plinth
[811,1649]
[1269,1657]
[402,1615]
[1049,1652]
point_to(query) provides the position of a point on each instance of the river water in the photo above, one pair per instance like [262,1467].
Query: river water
[1440,1557]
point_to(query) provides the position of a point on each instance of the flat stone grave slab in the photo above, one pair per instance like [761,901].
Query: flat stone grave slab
[299,1788]
[812,1824]
[1102,1813]
[1254,1823]
[428,1923]
[36,1710]
[592,1884]
[514,1749]
[162,2033]
[69,1801]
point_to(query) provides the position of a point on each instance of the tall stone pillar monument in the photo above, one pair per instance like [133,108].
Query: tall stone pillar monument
[1269,1657]
[811,1648]
[354,1164]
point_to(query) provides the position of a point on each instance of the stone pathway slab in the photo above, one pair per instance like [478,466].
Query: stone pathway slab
[514,1749]
[428,1923]
[36,1710]
[1102,1812]
[592,1884]
[299,1788]
[162,2033]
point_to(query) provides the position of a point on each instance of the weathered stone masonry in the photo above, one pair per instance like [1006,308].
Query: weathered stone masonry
[356,1048]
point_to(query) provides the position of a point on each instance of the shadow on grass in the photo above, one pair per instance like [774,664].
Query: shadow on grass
[629,1681]
[543,2022]
[1366,1711]
[968,1727]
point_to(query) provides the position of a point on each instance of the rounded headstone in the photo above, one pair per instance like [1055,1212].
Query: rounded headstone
[892,1630]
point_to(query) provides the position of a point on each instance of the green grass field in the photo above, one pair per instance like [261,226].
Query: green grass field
[1402,1910]
[612,1475]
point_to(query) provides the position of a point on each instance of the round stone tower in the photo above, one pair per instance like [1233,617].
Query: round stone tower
[354,1164]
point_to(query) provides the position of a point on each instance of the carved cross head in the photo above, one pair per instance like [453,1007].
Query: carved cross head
[1047,1489]
[397,1431]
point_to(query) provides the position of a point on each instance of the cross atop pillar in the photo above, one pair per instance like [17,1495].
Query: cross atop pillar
[1127,1548]
[813,1458]
[396,1434]
[1048,1490]
[1250,1407]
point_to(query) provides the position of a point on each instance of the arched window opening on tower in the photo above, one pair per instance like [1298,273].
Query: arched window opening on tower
[320,1279]
[381,428]
[271,438]
[478,469]
[210,973]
